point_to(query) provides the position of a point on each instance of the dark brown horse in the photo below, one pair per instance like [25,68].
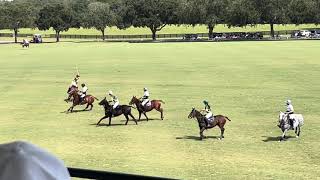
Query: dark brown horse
[88,99]
[121,109]
[219,120]
[155,104]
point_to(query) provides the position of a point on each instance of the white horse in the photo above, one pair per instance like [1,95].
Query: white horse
[285,124]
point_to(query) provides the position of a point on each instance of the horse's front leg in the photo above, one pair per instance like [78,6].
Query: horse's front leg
[201,133]
[139,115]
[145,114]
[102,119]
[283,135]
[70,109]
[110,120]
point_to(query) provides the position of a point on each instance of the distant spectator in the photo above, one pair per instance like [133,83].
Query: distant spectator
[24,161]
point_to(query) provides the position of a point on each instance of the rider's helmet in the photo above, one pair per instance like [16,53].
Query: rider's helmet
[110,92]
[205,102]
[145,89]
[288,102]
[83,85]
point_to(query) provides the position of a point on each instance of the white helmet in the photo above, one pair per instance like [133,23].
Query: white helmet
[145,89]
[110,92]
[288,101]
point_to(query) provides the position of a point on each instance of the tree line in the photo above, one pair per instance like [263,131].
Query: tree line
[153,14]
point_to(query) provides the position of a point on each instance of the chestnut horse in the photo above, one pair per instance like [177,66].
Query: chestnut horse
[88,99]
[155,104]
[219,120]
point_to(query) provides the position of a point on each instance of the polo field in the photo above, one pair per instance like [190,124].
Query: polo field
[248,82]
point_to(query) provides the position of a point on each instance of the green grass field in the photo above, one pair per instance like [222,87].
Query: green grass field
[247,81]
[169,30]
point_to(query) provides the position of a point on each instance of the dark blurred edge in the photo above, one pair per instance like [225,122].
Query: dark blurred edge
[93,174]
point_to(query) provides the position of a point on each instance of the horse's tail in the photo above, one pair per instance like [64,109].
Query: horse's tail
[95,98]
[161,101]
[227,118]
[132,107]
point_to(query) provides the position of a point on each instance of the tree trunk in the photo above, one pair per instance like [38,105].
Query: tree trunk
[103,36]
[15,35]
[154,31]
[57,36]
[272,30]
[210,27]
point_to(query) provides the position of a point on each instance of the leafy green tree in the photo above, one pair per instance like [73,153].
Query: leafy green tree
[154,14]
[79,11]
[302,11]
[99,16]
[241,13]
[209,12]
[56,15]
[17,14]
[272,12]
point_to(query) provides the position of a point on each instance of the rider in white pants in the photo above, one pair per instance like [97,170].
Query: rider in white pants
[114,99]
[145,98]
[207,109]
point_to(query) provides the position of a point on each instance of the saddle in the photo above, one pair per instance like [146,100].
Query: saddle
[148,104]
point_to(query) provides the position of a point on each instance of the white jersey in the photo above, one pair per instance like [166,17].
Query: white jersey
[146,94]
[84,89]
[290,108]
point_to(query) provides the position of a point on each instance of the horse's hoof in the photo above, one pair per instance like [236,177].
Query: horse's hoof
[297,136]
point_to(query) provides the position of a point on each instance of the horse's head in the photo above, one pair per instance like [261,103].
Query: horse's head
[282,117]
[73,90]
[104,102]
[192,113]
[134,100]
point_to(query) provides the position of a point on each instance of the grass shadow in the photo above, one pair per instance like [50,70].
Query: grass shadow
[106,125]
[277,138]
[75,111]
[150,119]
[197,138]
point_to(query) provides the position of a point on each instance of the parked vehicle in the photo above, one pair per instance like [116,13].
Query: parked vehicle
[315,33]
[190,37]
[305,33]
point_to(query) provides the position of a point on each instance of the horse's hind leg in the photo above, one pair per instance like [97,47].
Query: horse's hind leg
[91,106]
[298,131]
[86,107]
[161,111]
[222,132]
[133,118]
[126,115]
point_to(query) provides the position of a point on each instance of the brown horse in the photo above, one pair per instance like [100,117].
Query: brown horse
[155,104]
[219,120]
[88,99]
